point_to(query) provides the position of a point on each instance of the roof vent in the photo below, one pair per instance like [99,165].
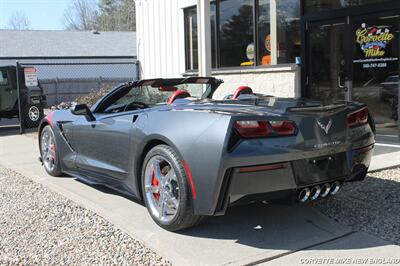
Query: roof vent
[95,32]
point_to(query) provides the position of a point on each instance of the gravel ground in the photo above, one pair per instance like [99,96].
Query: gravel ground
[372,205]
[38,226]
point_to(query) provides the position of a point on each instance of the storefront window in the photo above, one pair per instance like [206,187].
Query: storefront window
[191,44]
[264,33]
[234,42]
[312,6]
[288,31]
[191,39]
[236,33]
[213,16]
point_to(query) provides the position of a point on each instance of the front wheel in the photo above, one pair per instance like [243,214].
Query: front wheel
[49,152]
[166,191]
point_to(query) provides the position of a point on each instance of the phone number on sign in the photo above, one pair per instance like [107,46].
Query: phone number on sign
[375,65]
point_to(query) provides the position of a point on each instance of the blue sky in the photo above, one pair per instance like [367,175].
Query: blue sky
[42,14]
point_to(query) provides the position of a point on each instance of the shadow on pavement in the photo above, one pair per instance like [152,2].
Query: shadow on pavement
[372,205]
[9,130]
[13,128]
[110,191]
[273,226]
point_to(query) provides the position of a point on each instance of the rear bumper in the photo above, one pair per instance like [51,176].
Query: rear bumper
[284,180]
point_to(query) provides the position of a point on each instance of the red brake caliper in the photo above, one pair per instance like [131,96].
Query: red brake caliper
[154,182]
[53,151]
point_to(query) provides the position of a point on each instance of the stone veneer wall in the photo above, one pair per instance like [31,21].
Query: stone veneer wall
[281,81]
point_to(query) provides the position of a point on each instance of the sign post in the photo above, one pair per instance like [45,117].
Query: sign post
[20,116]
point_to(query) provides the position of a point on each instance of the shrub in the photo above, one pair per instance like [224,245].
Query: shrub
[94,95]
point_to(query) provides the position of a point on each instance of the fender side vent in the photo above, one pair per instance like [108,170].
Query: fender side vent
[60,126]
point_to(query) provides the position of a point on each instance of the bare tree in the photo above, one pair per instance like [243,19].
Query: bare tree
[81,15]
[105,15]
[18,21]
[116,15]
[128,16]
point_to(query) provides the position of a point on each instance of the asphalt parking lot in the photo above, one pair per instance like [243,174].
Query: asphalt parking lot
[258,233]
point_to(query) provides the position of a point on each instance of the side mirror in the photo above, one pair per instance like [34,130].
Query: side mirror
[83,109]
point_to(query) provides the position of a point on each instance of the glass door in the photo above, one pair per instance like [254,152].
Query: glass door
[327,78]
[375,67]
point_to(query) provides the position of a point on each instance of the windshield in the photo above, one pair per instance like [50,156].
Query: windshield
[146,96]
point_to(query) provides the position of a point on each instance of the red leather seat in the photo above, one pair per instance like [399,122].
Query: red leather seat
[242,90]
[179,94]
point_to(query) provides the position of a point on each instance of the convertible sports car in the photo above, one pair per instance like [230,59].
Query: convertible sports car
[167,142]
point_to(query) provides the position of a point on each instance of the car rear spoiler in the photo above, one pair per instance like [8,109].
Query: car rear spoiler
[316,108]
[178,81]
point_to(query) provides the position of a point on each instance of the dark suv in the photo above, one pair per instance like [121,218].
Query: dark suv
[32,98]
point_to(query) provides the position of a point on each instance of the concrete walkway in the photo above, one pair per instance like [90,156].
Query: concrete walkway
[385,156]
[354,249]
[245,235]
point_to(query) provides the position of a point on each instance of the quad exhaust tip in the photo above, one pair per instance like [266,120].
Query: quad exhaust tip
[304,194]
[314,193]
[323,191]
[335,187]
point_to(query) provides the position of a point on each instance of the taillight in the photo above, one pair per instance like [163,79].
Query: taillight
[252,128]
[283,128]
[258,129]
[358,118]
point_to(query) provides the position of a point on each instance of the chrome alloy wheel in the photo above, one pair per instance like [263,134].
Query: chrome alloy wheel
[33,113]
[48,148]
[161,189]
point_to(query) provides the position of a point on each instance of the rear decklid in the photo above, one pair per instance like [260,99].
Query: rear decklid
[319,125]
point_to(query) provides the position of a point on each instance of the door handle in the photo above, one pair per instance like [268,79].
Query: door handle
[340,83]
[344,87]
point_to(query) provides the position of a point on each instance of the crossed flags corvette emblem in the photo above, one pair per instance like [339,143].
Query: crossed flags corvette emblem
[326,127]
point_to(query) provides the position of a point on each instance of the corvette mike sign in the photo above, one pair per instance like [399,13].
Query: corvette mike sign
[374,42]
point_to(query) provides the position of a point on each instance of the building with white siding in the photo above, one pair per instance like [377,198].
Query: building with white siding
[321,49]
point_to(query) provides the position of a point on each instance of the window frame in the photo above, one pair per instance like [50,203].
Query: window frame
[216,41]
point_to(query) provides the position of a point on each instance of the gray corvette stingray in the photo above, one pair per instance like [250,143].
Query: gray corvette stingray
[187,156]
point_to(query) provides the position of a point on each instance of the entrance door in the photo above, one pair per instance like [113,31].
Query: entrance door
[375,66]
[326,60]
[356,58]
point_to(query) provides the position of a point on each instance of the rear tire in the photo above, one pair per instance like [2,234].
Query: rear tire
[49,152]
[33,114]
[165,183]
